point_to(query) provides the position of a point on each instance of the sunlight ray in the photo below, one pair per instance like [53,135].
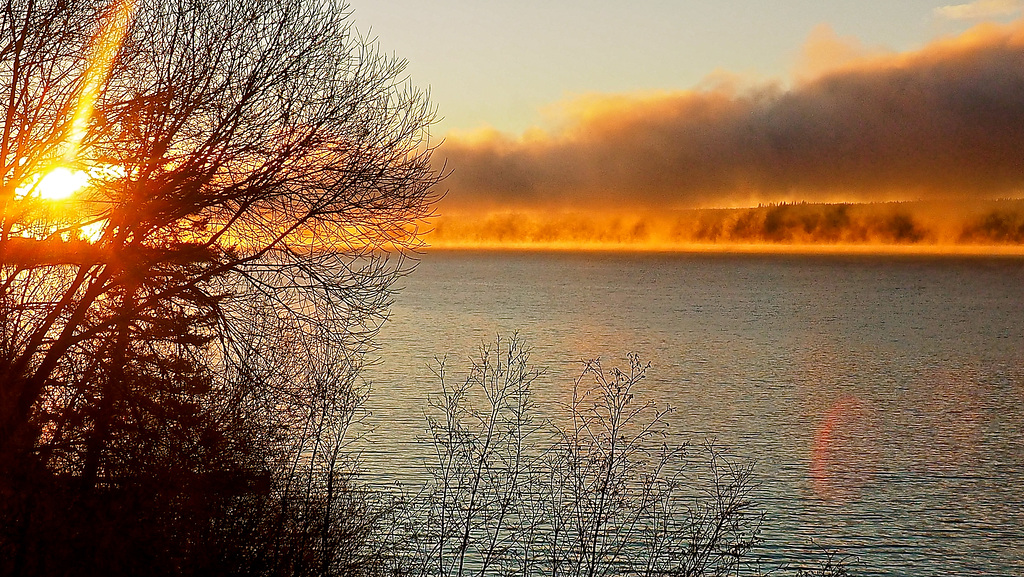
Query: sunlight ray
[105,48]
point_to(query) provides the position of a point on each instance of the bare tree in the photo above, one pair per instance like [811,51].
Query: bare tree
[255,172]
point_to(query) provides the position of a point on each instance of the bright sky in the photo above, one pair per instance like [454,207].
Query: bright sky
[502,64]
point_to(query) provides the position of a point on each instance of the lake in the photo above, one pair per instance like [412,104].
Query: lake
[880,398]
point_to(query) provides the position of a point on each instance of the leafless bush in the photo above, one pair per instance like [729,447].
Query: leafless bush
[601,492]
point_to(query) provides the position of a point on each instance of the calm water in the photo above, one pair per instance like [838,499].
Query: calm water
[881,398]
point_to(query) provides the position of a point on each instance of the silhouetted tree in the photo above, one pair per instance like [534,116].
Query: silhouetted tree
[183,335]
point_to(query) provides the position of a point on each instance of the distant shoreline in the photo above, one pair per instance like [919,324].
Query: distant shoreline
[1012,251]
[983,227]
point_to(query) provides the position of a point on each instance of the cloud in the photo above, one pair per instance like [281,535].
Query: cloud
[944,121]
[824,52]
[980,10]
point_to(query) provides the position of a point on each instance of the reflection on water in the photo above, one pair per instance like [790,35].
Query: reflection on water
[880,397]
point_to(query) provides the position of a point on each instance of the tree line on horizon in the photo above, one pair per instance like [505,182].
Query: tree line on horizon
[987,223]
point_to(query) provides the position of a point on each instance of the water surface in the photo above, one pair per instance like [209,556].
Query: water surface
[880,397]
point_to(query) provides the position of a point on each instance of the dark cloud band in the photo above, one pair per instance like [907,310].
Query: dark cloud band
[947,121]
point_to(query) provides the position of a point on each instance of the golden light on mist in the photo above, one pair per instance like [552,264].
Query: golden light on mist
[61,183]
[935,227]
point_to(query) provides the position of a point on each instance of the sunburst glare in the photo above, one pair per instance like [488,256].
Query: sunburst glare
[59,183]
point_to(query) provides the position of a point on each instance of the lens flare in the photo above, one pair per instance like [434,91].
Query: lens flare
[105,48]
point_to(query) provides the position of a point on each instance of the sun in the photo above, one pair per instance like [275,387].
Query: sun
[60,183]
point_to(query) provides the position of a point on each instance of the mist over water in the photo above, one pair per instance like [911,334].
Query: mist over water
[881,398]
